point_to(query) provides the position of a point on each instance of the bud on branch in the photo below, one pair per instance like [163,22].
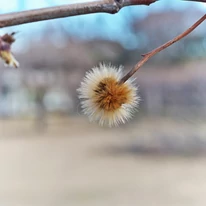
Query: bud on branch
[5,50]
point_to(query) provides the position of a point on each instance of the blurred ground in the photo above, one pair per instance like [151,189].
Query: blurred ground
[76,163]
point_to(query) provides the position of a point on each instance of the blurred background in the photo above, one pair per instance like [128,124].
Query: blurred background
[50,155]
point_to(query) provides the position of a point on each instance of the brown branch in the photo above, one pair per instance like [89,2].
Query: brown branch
[147,56]
[106,6]
[203,1]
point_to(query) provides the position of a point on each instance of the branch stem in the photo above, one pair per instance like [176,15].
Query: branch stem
[148,55]
[106,6]
[202,1]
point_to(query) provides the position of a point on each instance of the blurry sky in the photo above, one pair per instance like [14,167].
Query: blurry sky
[88,26]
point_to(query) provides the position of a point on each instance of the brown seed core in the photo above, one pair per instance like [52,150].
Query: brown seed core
[110,95]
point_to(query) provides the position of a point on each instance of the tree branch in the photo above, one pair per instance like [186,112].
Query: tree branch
[203,1]
[106,6]
[147,56]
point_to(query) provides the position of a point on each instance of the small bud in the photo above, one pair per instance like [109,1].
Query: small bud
[5,50]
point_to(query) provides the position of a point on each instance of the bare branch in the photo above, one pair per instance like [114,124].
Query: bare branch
[203,1]
[147,56]
[106,6]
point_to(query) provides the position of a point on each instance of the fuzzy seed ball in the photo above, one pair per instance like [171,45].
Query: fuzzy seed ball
[104,99]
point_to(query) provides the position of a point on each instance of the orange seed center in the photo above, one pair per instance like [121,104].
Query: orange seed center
[110,95]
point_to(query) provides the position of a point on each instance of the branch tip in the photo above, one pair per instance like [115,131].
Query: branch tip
[148,55]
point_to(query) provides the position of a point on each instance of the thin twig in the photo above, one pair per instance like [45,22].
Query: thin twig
[203,1]
[106,6]
[148,55]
